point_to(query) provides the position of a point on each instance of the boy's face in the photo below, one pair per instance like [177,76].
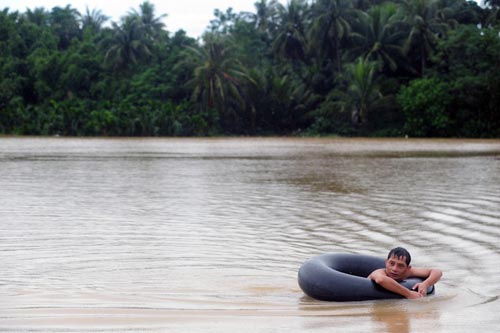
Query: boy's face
[396,267]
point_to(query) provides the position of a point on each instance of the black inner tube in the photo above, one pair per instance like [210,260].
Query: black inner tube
[342,277]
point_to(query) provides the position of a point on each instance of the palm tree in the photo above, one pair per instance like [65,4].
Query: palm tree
[224,21]
[266,16]
[378,37]
[64,23]
[330,26]
[290,102]
[424,28]
[127,45]
[93,20]
[152,25]
[290,41]
[217,77]
[362,92]
[39,16]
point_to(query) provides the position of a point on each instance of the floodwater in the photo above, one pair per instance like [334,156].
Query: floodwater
[207,235]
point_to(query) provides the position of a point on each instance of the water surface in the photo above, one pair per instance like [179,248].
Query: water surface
[207,235]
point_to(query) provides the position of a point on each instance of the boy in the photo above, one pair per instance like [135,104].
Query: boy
[397,268]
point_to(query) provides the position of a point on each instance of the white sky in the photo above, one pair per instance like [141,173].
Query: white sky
[191,15]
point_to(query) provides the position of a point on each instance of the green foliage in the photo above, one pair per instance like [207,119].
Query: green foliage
[290,41]
[361,67]
[378,37]
[362,90]
[330,27]
[425,103]
[64,24]
[470,61]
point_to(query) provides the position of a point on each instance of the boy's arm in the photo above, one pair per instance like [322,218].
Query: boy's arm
[380,278]
[431,276]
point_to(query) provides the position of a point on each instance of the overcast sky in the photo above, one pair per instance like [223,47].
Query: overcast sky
[191,15]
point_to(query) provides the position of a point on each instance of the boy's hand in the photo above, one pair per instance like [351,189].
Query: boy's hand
[414,295]
[420,288]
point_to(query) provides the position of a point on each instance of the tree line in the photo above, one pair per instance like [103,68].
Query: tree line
[426,68]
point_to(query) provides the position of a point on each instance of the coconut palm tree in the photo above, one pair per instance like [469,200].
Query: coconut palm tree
[361,92]
[152,24]
[39,16]
[266,16]
[424,28]
[290,101]
[217,77]
[64,23]
[331,25]
[127,45]
[223,22]
[378,37]
[290,41]
[93,20]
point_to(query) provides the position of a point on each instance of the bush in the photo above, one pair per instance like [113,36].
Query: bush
[425,103]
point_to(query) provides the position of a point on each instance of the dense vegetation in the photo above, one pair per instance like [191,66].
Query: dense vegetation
[344,67]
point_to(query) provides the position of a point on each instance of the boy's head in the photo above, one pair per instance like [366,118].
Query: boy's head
[397,263]
[400,252]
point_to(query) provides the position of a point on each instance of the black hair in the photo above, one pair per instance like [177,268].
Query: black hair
[400,252]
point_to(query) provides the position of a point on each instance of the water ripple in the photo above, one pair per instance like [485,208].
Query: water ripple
[224,225]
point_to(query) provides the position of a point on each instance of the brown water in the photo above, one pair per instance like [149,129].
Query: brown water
[207,235]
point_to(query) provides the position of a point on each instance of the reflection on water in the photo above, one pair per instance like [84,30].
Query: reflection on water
[391,319]
[207,235]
